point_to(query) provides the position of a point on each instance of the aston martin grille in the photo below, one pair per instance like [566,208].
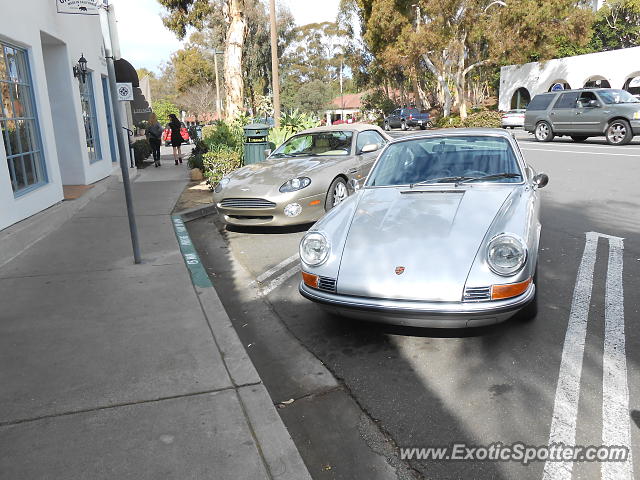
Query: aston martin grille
[327,284]
[246,203]
[472,294]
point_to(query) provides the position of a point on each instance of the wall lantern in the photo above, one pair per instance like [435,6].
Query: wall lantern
[80,70]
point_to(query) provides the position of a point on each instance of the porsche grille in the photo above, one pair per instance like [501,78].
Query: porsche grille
[476,294]
[246,203]
[327,284]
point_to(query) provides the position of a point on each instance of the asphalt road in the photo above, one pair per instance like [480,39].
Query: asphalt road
[360,390]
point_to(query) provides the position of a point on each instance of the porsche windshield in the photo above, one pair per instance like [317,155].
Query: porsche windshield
[315,144]
[455,159]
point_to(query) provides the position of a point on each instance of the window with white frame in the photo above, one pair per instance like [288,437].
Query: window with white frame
[89,118]
[18,121]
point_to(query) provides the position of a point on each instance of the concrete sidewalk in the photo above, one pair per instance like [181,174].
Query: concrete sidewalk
[115,370]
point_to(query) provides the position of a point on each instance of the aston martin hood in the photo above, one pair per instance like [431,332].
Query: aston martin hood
[417,245]
[265,178]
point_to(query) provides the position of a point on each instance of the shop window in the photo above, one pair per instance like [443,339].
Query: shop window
[89,118]
[19,121]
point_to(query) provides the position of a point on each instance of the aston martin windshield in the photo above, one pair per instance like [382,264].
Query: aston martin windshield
[452,159]
[318,143]
[613,96]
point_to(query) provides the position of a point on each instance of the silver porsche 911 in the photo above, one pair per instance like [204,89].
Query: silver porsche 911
[444,233]
[306,176]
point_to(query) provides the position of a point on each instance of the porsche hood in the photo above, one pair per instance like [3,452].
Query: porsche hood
[417,244]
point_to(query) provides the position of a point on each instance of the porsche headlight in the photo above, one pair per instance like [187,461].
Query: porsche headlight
[221,184]
[314,249]
[295,184]
[506,254]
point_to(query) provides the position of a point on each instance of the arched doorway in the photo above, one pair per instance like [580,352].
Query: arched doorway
[520,99]
[632,84]
[559,84]
[597,81]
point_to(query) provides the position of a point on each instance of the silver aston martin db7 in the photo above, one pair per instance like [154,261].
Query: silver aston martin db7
[306,176]
[444,233]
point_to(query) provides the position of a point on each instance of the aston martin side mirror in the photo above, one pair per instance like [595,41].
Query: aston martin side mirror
[371,147]
[354,184]
[267,152]
[541,180]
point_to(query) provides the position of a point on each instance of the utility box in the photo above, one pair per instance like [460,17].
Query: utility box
[255,142]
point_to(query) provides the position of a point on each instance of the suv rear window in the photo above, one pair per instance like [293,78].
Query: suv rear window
[540,102]
[567,100]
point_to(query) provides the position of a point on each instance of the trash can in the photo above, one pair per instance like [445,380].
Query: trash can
[255,142]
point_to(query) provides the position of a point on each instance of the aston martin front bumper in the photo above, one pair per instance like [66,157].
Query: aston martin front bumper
[420,314]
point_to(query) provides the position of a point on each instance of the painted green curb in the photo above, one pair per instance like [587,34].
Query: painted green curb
[199,276]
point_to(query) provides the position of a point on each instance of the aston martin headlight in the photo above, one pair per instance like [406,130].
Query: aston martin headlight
[636,115]
[295,184]
[506,254]
[314,249]
[221,184]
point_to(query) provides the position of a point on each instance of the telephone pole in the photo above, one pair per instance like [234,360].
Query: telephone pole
[275,73]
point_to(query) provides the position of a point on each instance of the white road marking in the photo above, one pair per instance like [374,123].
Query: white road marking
[579,146]
[565,410]
[275,283]
[616,429]
[293,258]
[580,152]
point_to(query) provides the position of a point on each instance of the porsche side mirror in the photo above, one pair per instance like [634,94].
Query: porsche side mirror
[354,184]
[541,180]
[371,147]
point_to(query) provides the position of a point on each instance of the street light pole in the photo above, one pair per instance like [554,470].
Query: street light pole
[275,71]
[215,64]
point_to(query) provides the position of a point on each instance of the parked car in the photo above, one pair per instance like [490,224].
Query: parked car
[584,113]
[444,233]
[166,136]
[513,118]
[305,177]
[405,118]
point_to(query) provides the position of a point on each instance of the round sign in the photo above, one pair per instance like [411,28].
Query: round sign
[557,86]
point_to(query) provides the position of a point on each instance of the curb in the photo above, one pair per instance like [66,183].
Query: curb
[278,451]
[20,236]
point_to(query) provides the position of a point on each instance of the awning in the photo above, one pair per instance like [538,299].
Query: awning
[125,73]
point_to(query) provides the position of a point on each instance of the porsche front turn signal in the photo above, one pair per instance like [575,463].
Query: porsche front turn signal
[500,292]
[310,280]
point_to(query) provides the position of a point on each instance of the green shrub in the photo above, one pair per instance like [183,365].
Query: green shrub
[485,118]
[291,122]
[219,162]
[141,150]
[452,121]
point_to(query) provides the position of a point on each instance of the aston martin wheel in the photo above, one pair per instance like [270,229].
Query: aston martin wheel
[619,132]
[337,194]
[543,132]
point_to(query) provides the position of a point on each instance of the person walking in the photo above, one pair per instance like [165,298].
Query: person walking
[154,135]
[176,137]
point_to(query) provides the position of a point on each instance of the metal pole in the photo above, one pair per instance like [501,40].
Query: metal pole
[122,148]
[275,71]
[218,105]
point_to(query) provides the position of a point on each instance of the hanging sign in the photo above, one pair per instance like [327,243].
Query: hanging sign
[79,7]
[557,86]
[125,92]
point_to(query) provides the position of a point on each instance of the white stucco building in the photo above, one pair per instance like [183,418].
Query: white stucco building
[56,129]
[615,69]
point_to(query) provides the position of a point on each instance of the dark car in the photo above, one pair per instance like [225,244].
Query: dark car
[584,113]
[405,118]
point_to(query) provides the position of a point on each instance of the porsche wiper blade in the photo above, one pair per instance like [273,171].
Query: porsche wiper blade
[440,180]
[492,177]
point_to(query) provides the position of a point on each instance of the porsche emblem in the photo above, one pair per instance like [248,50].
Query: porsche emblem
[399,270]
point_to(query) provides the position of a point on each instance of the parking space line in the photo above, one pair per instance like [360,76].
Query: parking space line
[565,409]
[275,283]
[616,428]
[582,152]
[293,258]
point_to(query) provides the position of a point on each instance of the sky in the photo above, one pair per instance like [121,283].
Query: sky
[145,42]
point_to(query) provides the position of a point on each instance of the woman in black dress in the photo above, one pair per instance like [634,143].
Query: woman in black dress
[176,137]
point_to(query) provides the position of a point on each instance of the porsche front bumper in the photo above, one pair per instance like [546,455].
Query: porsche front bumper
[420,314]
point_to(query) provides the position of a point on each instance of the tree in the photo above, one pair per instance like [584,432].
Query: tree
[312,97]
[198,13]
[617,25]
[162,109]
[199,99]
[191,68]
